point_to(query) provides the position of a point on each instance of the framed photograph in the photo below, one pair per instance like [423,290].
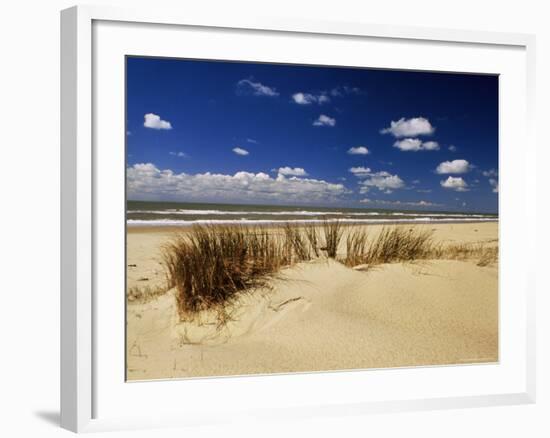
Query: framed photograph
[254,209]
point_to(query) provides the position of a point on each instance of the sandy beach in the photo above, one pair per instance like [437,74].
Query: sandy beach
[320,315]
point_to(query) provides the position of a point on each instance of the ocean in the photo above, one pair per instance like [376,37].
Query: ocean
[144,213]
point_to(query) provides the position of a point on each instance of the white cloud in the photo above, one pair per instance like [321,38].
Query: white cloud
[409,127]
[455,166]
[240,151]
[308,98]
[360,171]
[400,203]
[146,181]
[154,121]
[256,88]
[303,98]
[178,154]
[452,148]
[490,173]
[343,90]
[291,171]
[415,144]
[430,146]
[383,181]
[324,120]
[455,183]
[408,144]
[251,140]
[359,150]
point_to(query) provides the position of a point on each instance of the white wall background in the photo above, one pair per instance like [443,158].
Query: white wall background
[29,214]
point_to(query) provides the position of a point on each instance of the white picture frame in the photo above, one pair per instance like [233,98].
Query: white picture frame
[82,379]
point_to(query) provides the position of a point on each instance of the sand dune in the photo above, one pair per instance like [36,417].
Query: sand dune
[321,315]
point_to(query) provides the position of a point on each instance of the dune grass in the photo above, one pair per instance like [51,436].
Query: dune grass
[392,244]
[398,244]
[143,294]
[485,255]
[298,246]
[211,265]
[333,233]
[310,231]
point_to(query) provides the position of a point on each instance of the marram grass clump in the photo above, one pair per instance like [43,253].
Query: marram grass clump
[401,244]
[210,265]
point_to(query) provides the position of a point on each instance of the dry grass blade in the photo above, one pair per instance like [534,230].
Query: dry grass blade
[312,237]
[486,255]
[145,293]
[297,244]
[356,246]
[398,244]
[333,233]
[209,265]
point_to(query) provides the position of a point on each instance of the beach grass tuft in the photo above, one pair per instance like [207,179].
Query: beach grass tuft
[313,238]
[211,265]
[356,246]
[392,244]
[486,255]
[143,294]
[399,244]
[299,248]
[333,233]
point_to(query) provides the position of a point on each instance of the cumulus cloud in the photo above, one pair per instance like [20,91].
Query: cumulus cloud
[248,86]
[359,150]
[178,154]
[308,98]
[455,166]
[291,171]
[415,144]
[430,145]
[409,127]
[400,203]
[240,151]
[360,171]
[146,181]
[342,90]
[320,97]
[153,121]
[492,173]
[452,148]
[324,120]
[455,183]
[383,181]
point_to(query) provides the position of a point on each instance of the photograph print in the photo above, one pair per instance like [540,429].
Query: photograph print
[301,218]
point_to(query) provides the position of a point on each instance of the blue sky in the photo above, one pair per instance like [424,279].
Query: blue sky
[203,131]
